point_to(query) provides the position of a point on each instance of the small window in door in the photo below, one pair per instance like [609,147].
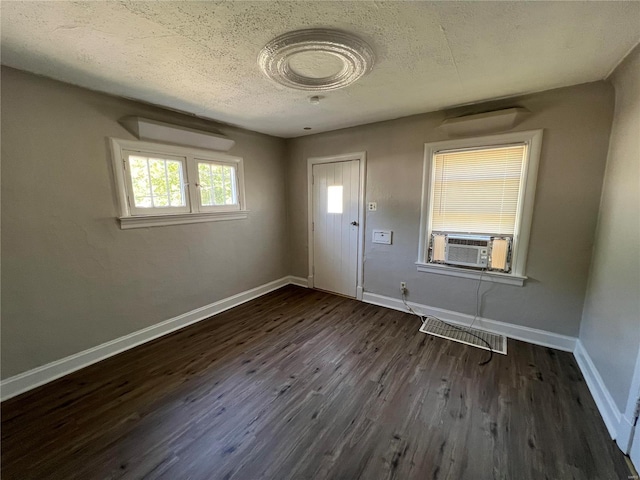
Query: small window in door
[334,199]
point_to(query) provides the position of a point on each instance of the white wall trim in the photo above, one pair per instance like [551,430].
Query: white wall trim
[144,221]
[607,407]
[495,277]
[311,161]
[517,332]
[38,376]
[623,434]
[299,281]
[625,429]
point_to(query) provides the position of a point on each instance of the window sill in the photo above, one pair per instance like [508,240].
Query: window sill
[495,277]
[144,221]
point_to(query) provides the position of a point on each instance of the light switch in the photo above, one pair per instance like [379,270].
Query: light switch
[372,206]
[382,236]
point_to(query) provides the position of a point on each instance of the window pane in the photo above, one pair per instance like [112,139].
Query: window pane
[140,182]
[217,184]
[156,182]
[175,184]
[477,191]
[334,199]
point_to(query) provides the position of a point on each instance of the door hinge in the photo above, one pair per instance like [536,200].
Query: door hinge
[124,164]
[313,226]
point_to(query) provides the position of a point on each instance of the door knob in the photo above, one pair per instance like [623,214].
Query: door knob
[354,223]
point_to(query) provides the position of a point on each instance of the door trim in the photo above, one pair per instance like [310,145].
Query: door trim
[626,428]
[311,161]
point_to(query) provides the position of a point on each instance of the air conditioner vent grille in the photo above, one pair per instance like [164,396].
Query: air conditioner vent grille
[462,254]
[438,328]
[467,241]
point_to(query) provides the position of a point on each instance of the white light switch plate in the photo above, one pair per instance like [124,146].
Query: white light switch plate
[382,236]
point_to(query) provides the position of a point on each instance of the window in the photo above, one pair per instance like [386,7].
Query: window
[334,199]
[477,205]
[164,184]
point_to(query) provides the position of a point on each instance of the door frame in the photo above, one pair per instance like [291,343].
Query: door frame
[311,161]
[625,432]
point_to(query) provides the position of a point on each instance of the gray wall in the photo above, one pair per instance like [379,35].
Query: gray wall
[576,123]
[610,329]
[71,278]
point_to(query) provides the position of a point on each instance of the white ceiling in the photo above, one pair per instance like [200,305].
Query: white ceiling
[200,57]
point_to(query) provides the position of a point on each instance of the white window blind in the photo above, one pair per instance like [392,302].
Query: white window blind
[477,190]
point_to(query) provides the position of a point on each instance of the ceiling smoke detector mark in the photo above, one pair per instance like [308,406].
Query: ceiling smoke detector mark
[316,59]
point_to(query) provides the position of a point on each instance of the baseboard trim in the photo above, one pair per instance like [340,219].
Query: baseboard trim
[38,376]
[517,332]
[607,407]
[624,434]
[299,281]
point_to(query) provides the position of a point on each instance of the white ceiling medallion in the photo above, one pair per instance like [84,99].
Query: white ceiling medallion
[316,59]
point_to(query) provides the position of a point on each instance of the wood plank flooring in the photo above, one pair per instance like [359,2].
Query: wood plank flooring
[301,384]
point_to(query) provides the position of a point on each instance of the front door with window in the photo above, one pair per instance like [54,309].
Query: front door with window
[335,226]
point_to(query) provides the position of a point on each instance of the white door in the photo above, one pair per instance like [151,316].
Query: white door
[335,226]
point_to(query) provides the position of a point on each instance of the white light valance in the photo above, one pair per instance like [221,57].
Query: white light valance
[153,130]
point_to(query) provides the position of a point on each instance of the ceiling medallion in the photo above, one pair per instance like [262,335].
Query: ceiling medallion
[316,59]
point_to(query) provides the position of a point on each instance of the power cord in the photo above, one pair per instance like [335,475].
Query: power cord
[424,319]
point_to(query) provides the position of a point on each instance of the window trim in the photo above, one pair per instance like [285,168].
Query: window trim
[198,195]
[196,214]
[137,211]
[533,138]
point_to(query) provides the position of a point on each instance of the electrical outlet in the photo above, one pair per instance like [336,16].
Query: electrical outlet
[403,285]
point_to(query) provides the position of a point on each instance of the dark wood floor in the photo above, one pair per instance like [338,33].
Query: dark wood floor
[300,384]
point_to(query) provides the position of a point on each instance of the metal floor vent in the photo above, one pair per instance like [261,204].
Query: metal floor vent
[440,329]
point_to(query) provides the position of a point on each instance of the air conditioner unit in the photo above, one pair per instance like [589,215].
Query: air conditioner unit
[472,251]
[467,250]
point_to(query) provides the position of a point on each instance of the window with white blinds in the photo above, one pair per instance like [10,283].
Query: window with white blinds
[480,186]
[477,190]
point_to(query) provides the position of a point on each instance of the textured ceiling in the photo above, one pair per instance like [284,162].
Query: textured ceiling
[200,57]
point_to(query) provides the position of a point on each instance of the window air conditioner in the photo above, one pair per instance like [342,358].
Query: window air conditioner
[467,250]
[473,251]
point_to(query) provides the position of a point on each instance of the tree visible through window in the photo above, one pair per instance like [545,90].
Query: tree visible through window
[175,182]
[217,184]
[157,182]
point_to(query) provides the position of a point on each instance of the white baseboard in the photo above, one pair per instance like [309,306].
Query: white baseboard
[28,380]
[624,433]
[299,281]
[607,407]
[517,332]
